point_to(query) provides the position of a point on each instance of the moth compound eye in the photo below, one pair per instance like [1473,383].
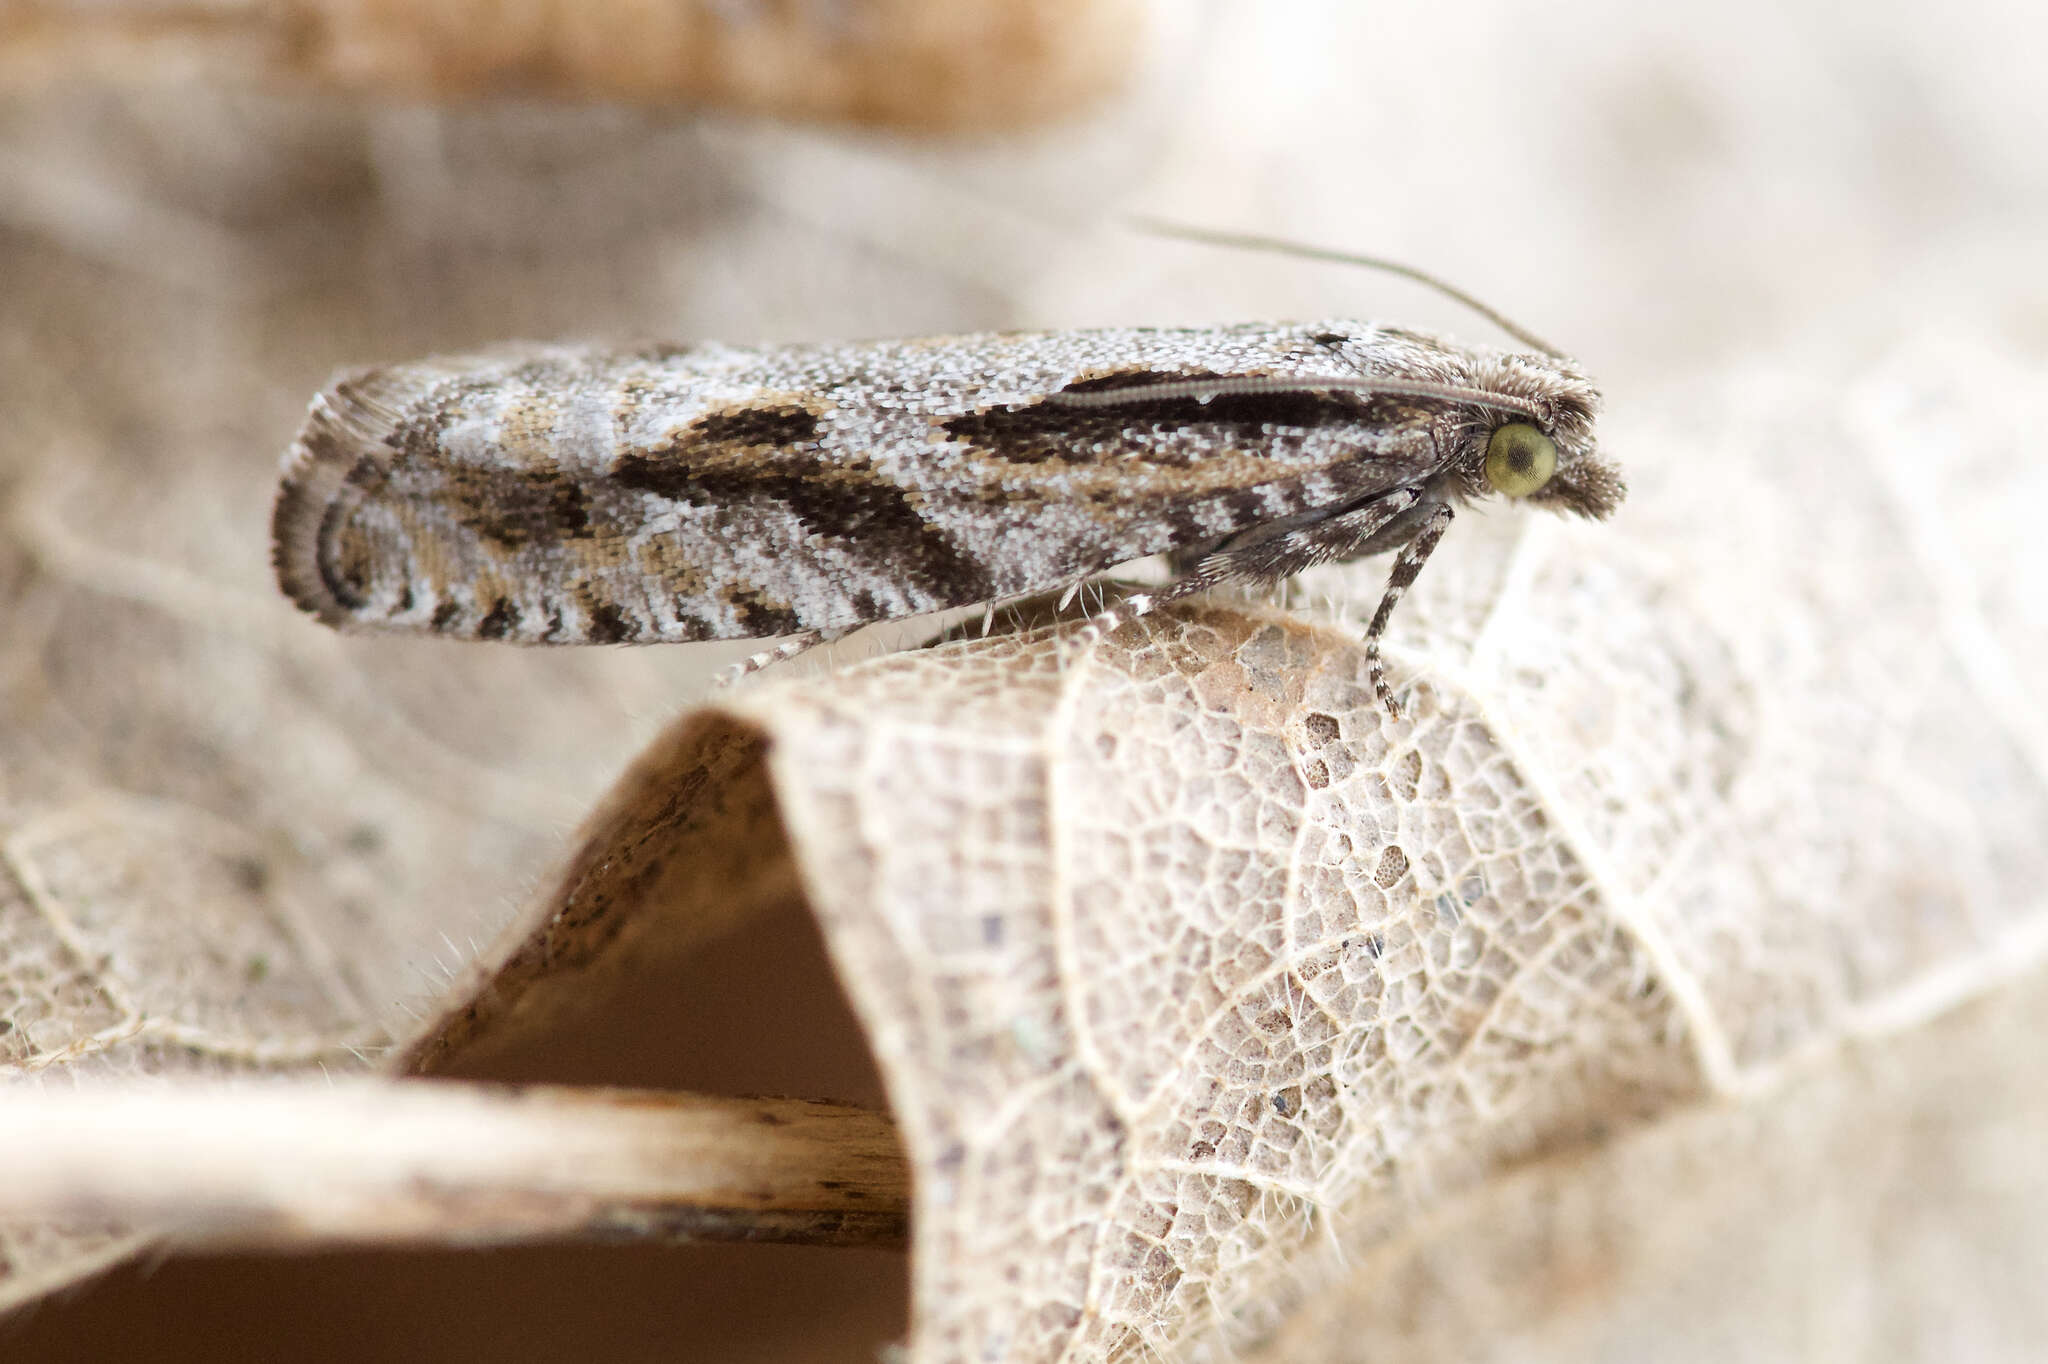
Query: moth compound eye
[1519,459]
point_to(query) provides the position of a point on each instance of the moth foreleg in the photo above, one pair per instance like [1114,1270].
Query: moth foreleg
[1275,552]
[1404,517]
[1407,564]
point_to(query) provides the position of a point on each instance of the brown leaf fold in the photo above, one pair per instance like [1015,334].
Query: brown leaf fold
[953,64]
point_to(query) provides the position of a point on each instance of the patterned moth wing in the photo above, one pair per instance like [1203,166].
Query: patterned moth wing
[576,495]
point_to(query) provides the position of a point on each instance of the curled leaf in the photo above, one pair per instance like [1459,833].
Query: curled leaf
[1190,973]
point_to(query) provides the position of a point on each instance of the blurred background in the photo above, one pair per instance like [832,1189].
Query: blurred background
[206,210]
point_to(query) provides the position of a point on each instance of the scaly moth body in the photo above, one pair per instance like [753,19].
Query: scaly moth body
[571,495]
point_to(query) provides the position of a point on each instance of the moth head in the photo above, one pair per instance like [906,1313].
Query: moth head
[1545,453]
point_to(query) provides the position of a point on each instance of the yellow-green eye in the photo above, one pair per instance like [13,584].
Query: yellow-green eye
[1519,459]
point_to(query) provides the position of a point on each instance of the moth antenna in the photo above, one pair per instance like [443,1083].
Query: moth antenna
[1251,241]
[1205,389]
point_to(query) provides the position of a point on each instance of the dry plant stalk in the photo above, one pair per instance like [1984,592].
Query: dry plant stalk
[930,64]
[300,1164]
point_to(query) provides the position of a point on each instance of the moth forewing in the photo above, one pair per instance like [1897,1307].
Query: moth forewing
[574,495]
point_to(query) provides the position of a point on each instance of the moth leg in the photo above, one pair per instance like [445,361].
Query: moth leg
[1145,603]
[1283,551]
[795,645]
[1403,517]
[1273,552]
[1407,564]
[1187,559]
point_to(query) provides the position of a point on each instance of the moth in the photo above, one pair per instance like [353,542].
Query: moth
[578,495]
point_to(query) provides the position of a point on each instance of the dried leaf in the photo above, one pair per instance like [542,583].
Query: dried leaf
[1190,974]
[931,64]
[181,272]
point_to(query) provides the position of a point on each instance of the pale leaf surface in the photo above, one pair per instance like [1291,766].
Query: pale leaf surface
[1191,974]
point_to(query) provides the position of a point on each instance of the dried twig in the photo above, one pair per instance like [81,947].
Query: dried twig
[361,1162]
